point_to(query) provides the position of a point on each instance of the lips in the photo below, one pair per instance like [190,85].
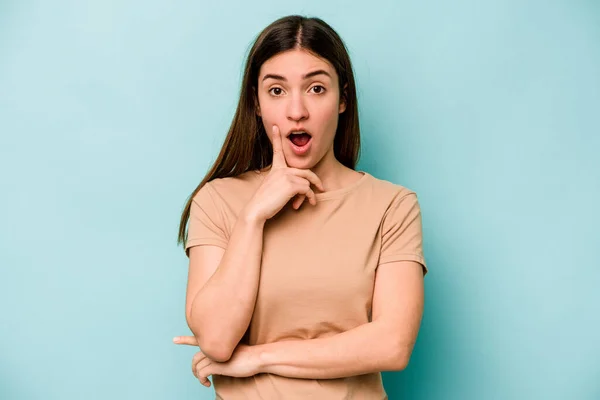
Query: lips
[297,132]
[300,141]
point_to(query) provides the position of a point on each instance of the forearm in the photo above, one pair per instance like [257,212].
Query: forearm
[222,309]
[365,349]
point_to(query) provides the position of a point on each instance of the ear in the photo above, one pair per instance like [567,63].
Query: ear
[256,105]
[343,98]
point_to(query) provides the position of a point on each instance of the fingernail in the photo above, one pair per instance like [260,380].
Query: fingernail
[176,339]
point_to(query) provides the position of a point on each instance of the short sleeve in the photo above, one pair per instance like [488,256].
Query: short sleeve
[205,226]
[402,236]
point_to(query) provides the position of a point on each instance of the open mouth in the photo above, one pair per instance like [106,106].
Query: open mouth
[299,139]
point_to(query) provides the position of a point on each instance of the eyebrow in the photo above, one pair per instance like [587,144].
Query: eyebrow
[309,75]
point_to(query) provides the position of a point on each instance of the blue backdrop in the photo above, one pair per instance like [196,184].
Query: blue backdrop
[111,112]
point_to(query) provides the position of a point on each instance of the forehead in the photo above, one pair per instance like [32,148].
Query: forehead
[293,64]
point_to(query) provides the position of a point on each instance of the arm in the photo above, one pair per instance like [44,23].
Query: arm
[222,288]
[385,344]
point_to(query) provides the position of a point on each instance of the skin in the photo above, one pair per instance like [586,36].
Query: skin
[313,103]
[385,343]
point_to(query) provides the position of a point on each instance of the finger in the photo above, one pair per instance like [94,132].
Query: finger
[204,381]
[312,199]
[203,371]
[187,340]
[309,175]
[198,358]
[302,187]
[278,156]
[197,367]
[298,200]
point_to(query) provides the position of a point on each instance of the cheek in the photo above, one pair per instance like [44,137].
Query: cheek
[327,116]
[272,112]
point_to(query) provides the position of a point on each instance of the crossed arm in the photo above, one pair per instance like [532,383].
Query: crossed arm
[385,344]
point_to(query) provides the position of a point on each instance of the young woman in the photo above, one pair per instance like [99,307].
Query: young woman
[305,275]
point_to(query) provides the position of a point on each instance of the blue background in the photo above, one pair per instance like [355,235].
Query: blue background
[111,112]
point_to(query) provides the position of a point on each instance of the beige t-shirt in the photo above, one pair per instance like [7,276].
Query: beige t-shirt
[317,272]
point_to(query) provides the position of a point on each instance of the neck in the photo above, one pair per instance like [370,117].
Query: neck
[331,172]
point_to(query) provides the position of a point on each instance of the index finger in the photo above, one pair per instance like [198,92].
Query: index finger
[188,340]
[278,156]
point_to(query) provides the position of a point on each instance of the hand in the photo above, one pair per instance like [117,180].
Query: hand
[244,362]
[281,184]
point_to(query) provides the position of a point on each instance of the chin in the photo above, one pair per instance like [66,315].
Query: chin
[302,162]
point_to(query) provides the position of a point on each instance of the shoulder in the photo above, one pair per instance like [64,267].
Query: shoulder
[399,210]
[229,189]
[388,191]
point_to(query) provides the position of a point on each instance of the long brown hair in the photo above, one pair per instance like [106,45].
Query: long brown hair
[247,146]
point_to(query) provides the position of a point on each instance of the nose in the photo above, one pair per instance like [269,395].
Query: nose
[296,110]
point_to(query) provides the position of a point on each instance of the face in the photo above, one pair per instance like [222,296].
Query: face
[298,91]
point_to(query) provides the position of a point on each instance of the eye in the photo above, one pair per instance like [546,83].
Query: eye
[320,90]
[276,91]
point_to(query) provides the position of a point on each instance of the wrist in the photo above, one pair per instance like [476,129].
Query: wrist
[260,358]
[251,217]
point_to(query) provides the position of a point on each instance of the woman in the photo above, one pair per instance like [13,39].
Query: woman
[305,275]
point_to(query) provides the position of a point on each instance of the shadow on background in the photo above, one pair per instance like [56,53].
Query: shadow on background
[438,337]
[16,387]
